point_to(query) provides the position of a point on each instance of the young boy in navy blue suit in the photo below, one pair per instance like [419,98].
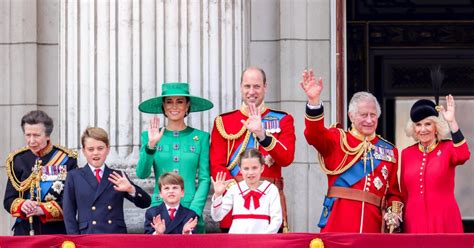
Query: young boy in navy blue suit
[95,193]
[170,217]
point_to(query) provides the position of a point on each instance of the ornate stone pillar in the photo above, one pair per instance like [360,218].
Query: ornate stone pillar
[28,75]
[115,54]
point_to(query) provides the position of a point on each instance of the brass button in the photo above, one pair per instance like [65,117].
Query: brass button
[110,222]
[94,222]
[109,207]
[93,208]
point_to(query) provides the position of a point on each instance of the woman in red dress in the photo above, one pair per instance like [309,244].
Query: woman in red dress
[428,169]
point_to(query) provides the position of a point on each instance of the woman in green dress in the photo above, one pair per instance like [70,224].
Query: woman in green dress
[177,147]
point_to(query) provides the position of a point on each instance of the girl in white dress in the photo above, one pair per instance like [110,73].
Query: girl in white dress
[255,204]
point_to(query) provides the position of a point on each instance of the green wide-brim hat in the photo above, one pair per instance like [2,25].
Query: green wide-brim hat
[155,105]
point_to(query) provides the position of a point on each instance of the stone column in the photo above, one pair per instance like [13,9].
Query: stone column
[289,37]
[117,53]
[28,74]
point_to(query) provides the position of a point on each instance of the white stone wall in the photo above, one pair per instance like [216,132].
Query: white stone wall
[28,74]
[90,63]
[287,36]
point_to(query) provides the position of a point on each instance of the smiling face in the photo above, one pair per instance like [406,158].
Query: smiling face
[252,87]
[365,119]
[175,107]
[425,131]
[251,170]
[35,137]
[171,194]
[95,151]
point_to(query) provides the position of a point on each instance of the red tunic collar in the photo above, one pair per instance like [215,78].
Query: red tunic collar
[360,136]
[244,109]
[47,149]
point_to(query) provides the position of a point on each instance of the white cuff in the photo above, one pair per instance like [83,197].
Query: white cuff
[315,107]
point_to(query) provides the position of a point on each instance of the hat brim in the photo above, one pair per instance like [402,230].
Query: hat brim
[154,105]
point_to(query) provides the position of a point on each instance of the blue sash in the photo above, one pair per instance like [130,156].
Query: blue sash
[349,178]
[269,121]
[235,171]
[46,185]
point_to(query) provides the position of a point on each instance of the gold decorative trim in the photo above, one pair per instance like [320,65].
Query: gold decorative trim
[20,186]
[242,148]
[314,118]
[272,144]
[459,143]
[69,152]
[429,148]
[382,138]
[357,151]
[224,134]
[244,108]
[15,206]
[360,136]
[54,210]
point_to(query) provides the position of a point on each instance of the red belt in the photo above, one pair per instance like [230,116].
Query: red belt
[355,194]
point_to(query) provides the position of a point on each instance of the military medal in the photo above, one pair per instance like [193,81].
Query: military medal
[53,173]
[384,172]
[58,186]
[271,124]
[382,153]
[378,183]
[269,160]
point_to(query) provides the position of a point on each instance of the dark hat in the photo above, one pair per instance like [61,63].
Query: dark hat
[421,109]
[154,105]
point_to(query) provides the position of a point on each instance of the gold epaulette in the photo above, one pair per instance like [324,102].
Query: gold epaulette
[16,152]
[19,186]
[71,153]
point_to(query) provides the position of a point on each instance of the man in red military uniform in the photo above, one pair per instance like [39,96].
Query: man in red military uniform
[254,125]
[361,167]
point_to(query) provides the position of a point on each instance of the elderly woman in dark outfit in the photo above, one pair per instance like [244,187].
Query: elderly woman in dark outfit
[428,169]
[38,167]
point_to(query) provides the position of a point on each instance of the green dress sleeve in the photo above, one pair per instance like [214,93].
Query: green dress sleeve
[145,162]
[204,179]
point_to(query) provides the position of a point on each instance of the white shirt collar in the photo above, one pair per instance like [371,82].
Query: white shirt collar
[93,169]
[168,207]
